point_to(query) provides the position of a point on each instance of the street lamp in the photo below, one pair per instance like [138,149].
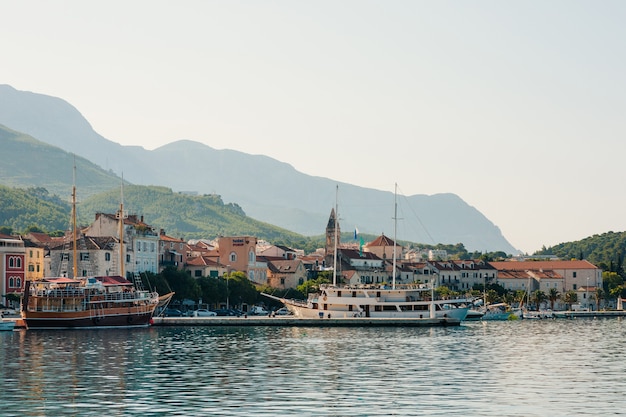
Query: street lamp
[587,293]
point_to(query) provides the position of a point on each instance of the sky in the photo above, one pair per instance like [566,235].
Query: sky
[517,107]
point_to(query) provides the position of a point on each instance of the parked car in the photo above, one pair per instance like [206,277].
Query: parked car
[228,312]
[7,311]
[283,312]
[203,312]
[258,311]
[172,312]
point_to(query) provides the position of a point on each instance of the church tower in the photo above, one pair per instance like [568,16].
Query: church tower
[331,228]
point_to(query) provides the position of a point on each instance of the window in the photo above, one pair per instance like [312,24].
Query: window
[197,273]
[282,281]
[251,257]
[574,274]
[145,247]
[232,257]
[84,256]
[31,268]
[127,258]
[138,246]
[107,256]
[37,267]
[152,247]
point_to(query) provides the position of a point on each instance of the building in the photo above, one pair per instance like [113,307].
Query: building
[12,263]
[141,253]
[563,275]
[285,273]
[171,252]
[238,253]
[384,247]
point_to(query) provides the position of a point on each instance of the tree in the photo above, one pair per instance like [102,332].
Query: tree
[600,295]
[539,297]
[184,286]
[571,297]
[553,295]
[241,289]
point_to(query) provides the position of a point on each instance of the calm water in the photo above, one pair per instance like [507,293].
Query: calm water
[522,368]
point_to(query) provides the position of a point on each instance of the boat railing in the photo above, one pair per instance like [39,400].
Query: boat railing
[59,293]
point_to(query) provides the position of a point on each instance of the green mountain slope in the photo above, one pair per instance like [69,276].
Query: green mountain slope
[21,209]
[183,215]
[605,250]
[28,162]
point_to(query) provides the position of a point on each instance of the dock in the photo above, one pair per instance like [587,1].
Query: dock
[589,314]
[291,321]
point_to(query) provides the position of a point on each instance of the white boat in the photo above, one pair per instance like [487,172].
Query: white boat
[414,301]
[7,325]
[497,312]
[370,301]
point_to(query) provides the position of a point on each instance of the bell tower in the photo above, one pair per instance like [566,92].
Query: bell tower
[331,229]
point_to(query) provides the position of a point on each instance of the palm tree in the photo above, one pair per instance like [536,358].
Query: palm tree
[553,295]
[599,297]
[570,298]
[539,297]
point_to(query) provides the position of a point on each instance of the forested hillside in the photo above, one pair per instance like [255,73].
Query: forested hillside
[188,216]
[605,250]
[32,208]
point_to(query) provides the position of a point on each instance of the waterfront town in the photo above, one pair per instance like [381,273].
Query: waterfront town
[34,256]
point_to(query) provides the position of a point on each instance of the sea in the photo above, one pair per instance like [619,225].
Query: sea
[563,367]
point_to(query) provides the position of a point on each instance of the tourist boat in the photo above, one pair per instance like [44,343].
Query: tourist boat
[414,301]
[109,301]
[86,302]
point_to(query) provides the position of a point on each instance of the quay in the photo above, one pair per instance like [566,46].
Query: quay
[589,314]
[301,322]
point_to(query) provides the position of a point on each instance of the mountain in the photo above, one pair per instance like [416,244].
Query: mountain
[29,162]
[268,190]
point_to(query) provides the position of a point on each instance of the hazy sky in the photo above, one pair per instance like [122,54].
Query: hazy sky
[518,107]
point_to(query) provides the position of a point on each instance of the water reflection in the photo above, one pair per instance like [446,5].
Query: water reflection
[528,368]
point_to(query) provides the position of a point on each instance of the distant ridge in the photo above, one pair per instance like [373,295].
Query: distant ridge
[267,190]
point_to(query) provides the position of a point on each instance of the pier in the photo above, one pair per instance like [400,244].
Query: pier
[300,322]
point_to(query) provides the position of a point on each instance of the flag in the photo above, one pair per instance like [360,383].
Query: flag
[361,247]
[356,233]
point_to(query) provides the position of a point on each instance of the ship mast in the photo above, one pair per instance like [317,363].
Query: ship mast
[395,233]
[74,238]
[335,245]
[120,217]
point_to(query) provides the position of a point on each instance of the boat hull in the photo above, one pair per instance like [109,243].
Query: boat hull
[7,326]
[42,320]
[302,311]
